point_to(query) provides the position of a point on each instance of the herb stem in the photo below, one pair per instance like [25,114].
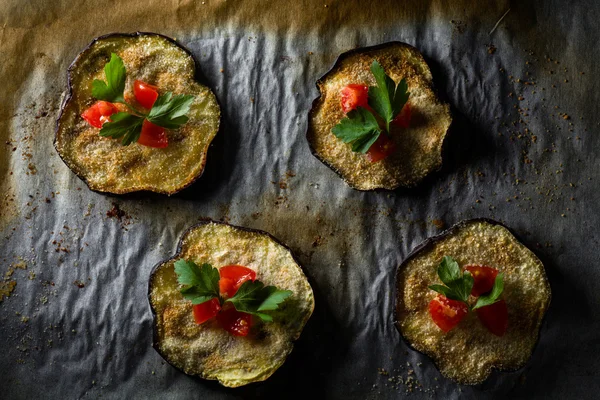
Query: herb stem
[134,111]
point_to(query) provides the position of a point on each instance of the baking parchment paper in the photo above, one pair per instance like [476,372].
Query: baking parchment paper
[522,150]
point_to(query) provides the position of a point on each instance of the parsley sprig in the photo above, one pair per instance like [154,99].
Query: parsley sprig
[168,111]
[201,284]
[457,285]
[360,127]
[111,90]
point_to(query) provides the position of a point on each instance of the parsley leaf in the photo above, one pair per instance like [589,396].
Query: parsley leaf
[202,281]
[458,286]
[492,296]
[448,270]
[113,89]
[462,287]
[123,125]
[360,128]
[254,297]
[445,290]
[387,98]
[170,111]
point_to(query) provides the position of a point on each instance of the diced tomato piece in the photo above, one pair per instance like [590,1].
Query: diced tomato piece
[483,278]
[145,94]
[447,313]
[99,113]
[153,135]
[382,148]
[494,317]
[232,277]
[403,119]
[354,96]
[235,322]
[207,310]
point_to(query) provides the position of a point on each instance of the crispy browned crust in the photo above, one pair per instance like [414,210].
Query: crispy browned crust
[419,147]
[470,325]
[69,97]
[155,328]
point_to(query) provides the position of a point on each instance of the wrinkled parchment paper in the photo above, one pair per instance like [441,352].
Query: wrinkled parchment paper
[523,150]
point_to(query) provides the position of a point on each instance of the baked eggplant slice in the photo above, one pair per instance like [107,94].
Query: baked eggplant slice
[418,146]
[104,163]
[207,350]
[468,353]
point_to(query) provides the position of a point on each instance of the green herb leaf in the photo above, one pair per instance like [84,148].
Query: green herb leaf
[123,125]
[114,87]
[448,270]
[360,128]
[275,298]
[445,290]
[170,111]
[254,297]
[458,286]
[462,287]
[492,296]
[387,98]
[400,98]
[202,281]
[380,96]
[364,144]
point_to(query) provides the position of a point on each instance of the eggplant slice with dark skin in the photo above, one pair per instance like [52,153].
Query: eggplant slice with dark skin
[468,353]
[104,163]
[418,147]
[207,350]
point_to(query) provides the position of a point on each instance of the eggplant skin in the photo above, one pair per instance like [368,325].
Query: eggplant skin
[207,350]
[419,147]
[468,353]
[103,163]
